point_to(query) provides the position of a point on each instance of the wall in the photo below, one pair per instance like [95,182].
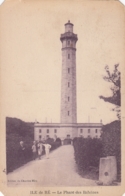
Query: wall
[92,133]
[62,131]
[44,132]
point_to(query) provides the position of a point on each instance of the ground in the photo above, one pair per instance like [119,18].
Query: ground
[58,170]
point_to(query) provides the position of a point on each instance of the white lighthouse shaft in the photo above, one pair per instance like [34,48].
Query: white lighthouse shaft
[68,83]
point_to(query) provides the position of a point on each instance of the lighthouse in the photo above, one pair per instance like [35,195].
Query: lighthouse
[68,80]
[68,127]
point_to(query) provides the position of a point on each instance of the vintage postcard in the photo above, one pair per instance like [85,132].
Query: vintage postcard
[62,87]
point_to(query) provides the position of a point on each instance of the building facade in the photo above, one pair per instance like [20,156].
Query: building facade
[62,131]
[68,126]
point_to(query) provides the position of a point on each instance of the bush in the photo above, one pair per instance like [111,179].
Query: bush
[67,141]
[14,157]
[16,131]
[54,144]
[87,152]
[111,141]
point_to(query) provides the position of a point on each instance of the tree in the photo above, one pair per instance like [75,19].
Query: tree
[115,79]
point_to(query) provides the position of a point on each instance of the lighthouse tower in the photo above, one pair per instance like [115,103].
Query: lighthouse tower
[68,126]
[68,82]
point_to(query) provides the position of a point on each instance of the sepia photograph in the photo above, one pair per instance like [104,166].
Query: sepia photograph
[62,66]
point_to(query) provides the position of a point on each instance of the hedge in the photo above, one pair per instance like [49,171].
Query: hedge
[54,144]
[13,154]
[16,131]
[67,141]
[16,157]
[87,152]
[111,141]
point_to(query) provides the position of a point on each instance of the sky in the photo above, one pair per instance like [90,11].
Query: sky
[31,60]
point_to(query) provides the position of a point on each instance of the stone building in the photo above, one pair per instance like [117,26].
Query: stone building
[68,126]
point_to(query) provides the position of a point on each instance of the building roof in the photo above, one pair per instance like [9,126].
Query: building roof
[68,23]
[78,125]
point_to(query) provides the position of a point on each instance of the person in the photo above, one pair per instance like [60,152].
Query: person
[47,149]
[21,153]
[40,149]
[22,145]
[34,150]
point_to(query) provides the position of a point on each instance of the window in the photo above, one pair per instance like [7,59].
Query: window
[68,98]
[40,130]
[68,70]
[55,131]
[40,136]
[47,130]
[96,130]
[81,130]
[88,130]
[68,56]
[68,84]
[68,42]
[68,113]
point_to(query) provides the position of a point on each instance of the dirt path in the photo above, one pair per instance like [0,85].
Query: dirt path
[58,170]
